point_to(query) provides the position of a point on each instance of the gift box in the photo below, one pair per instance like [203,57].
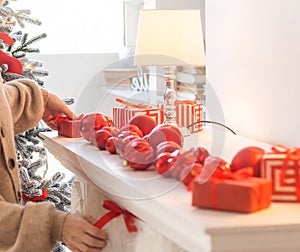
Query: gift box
[121,115]
[243,195]
[282,165]
[187,113]
[67,127]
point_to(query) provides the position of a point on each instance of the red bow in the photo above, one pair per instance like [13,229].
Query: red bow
[291,154]
[36,198]
[115,211]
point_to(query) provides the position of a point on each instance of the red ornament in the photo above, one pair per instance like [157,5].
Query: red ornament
[202,154]
[133,128]
[101,138]
[110,145]
[139,154]
[167,146]
[164,162]
[214,167]
[145,123]
[119,141]
[249,156]
[91,123]
[165,132]
[188,175]
[185,160]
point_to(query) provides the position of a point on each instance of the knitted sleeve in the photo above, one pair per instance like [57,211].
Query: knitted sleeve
[34,227]
[27,102]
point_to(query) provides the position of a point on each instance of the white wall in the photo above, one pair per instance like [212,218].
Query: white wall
[253,60]
[72,74]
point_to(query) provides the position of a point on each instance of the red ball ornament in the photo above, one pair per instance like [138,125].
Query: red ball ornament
[248,156]
[139,154]
[165,132]
[167,146]
[186,159]
[214,167]
[91,123]
[164,161]
[110,145]
[133,128]
[101,138]
[188,174]
[202,154]
[145,123]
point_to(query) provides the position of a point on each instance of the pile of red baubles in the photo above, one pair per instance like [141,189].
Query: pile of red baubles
[143,144]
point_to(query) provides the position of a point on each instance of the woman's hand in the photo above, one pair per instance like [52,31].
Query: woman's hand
[55,107]
[80,235]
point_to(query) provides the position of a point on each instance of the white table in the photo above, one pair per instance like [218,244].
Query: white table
[165,204]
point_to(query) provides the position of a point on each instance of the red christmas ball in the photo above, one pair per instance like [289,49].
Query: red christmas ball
[185,159]
[101,138]
[110,145]
[188,174]
[91,123]
[214,167]
[139,154]
[167,146]
[133,128]
[165,132]
[145,123]
[164,161]
[202,154]
[248,156]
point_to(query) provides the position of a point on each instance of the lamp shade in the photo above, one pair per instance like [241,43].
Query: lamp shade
[169,37]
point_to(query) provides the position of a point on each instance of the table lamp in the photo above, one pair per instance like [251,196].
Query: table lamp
[169,38]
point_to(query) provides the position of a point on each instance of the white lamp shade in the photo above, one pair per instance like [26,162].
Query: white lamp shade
[169,38]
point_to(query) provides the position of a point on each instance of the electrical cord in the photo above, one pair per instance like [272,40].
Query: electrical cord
[205,121]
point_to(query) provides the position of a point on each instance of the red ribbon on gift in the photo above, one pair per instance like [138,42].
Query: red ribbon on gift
[36,198]
[291,154]
[240,174]
[115,211]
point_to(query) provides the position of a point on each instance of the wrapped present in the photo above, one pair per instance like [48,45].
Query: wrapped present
[233,193]
[121,115]
[282,165]
[67,127]
[188,112]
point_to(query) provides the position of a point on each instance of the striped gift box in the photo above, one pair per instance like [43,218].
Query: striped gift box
[286,188]
[121,116]
[189,112]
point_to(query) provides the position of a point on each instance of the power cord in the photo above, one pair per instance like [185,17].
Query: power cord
[205,121]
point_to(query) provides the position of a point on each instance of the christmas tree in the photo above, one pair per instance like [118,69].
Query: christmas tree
[15,63]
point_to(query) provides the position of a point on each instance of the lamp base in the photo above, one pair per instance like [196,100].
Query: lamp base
[169,95]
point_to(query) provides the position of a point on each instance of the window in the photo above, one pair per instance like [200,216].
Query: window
[89,26]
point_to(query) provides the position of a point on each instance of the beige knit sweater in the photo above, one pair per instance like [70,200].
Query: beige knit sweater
[35,226]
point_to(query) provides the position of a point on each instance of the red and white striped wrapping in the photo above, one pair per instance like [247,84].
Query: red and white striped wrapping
[121,116]
[285,175]
[187,113]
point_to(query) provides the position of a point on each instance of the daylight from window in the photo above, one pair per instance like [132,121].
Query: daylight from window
[90,26]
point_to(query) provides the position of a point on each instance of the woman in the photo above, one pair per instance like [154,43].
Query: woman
[34,226]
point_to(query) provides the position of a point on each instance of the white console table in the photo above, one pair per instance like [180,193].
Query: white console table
[165,205]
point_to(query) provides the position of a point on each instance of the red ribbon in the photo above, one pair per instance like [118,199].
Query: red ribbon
[291,154]
[115,211]
[36,198]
